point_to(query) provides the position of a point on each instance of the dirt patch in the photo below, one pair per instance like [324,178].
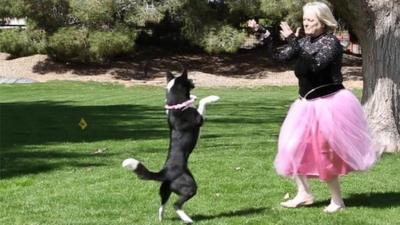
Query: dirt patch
[244,69]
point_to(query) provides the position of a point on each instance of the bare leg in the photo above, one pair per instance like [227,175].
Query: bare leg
[303,187]
[337,203]
[303,197]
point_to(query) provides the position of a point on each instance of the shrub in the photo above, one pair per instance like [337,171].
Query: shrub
[69,44]
[82,45]
[105,45]
[18,42]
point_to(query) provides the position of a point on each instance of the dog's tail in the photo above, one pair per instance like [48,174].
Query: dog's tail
[141,171]
[204,101]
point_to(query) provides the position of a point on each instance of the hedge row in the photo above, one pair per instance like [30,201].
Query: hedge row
[68,44]
[82,45]
[21,42]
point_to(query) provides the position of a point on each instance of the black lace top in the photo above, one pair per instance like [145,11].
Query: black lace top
[318,60]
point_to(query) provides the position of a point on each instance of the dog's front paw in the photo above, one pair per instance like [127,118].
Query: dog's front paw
[209,99]
[130,164]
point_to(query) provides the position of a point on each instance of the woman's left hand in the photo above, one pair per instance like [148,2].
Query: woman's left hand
[286,31]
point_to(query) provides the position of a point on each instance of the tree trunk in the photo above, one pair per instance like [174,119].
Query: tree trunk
[376,24]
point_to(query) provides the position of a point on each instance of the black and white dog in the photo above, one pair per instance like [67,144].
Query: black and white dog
[184,124]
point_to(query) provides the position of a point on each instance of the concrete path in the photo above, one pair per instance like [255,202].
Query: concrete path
[16,80]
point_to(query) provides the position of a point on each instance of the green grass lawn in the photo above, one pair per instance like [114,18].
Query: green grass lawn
[51,174]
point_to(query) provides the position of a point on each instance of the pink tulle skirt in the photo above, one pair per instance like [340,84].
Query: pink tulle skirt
[324,138]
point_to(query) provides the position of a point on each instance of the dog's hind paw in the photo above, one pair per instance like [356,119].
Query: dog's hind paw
[130,164]
[184,217]
[161,212]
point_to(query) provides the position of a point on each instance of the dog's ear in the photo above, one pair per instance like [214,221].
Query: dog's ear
[184,74]
[170,76]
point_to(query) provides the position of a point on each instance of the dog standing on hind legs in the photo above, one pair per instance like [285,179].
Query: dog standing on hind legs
[184,122]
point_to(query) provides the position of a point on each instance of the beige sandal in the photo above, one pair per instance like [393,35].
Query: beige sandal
[332,208]
[295,203]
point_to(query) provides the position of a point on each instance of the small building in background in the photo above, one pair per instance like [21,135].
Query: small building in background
[349,42]
[9,23]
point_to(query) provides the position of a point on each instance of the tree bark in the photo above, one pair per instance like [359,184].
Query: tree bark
[376,23]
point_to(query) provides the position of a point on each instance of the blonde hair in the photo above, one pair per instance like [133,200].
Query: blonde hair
[323,12]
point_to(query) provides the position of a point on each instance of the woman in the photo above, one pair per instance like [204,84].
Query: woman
[325,134]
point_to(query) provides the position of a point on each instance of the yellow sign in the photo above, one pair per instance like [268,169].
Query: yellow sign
[82,124]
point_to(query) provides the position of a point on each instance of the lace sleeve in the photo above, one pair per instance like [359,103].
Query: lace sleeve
[288,51]
[321,55]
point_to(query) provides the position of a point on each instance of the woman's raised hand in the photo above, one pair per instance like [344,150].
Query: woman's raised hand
[286,31]
[253,24]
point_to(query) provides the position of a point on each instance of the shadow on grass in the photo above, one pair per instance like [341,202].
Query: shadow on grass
[150,63]
[26,127]
[374,200]
[29,129]
[251,113]
[236,213]
[42,122]
[368,200]
[15,164]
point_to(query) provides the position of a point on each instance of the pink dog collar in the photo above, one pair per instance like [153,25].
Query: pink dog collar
[183,105]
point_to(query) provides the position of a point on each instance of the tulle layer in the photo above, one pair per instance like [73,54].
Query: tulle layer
[325,138]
